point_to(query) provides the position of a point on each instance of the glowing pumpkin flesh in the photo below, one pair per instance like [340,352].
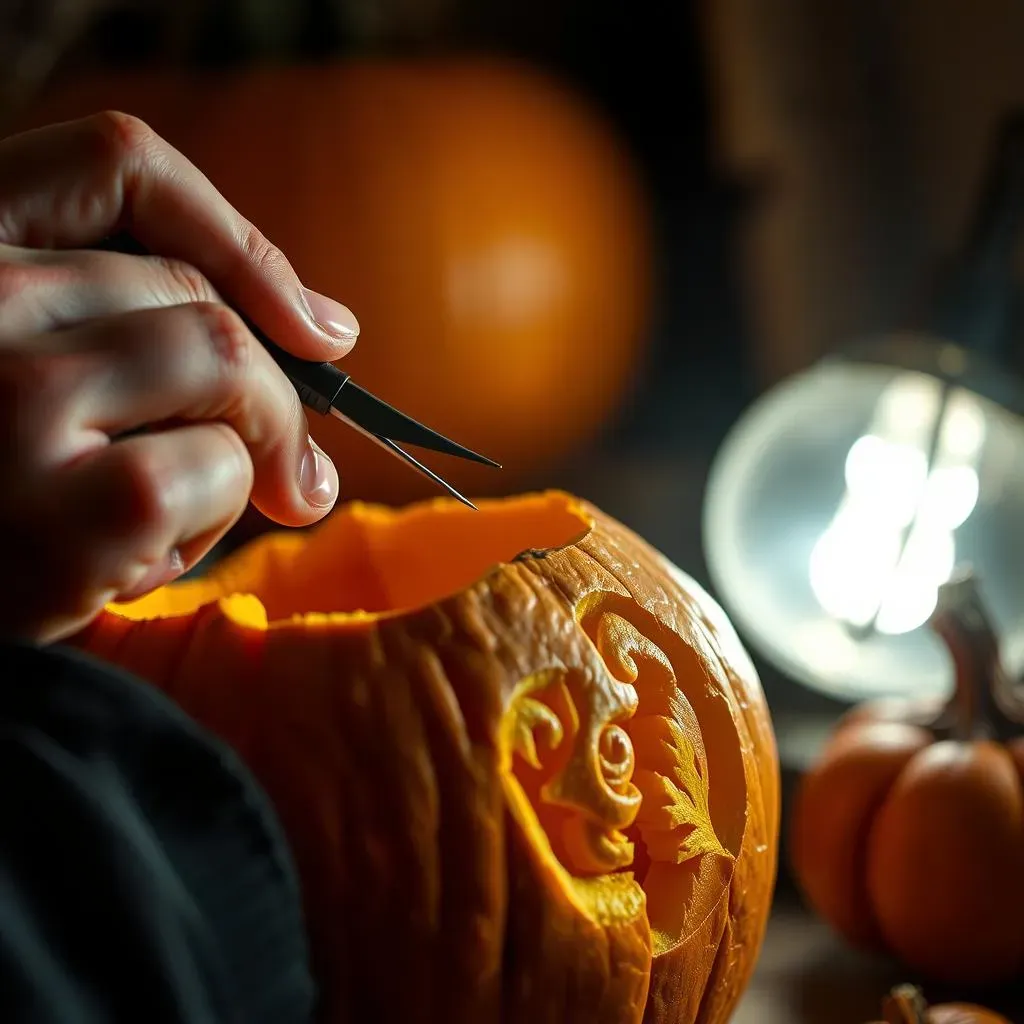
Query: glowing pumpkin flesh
[525,765]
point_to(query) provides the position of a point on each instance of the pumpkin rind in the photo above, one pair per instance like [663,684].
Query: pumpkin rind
[551,795]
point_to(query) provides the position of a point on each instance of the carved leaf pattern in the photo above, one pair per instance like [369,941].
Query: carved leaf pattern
[675,817]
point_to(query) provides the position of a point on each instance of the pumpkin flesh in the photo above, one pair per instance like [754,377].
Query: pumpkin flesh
[524,763]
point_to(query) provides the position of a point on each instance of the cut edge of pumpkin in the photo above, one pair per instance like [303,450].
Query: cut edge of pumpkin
[403,548]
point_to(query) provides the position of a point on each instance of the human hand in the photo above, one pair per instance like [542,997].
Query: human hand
[138,415]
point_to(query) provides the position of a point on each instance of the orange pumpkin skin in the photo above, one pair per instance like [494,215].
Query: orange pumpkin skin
[540,788]
[484,225]
[963,1013]
[907,836]
[906,1005]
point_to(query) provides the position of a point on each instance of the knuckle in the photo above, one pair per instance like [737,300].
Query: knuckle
[126,135]
[15,280]
[143,487]
[35,395]
[185,281]
[28,381]
[259,250]
[230,340]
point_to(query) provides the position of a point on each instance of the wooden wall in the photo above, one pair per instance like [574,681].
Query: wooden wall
[865,126]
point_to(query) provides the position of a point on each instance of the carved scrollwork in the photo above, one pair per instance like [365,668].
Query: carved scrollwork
[615,769]
[574,761]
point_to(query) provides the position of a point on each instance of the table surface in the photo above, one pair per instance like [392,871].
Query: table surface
[806,975]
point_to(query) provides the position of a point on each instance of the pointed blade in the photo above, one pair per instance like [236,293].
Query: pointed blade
[389,446]
[373,414]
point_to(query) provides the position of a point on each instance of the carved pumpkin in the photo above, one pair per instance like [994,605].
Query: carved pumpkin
[525,765]
[908,835]
[906,1005]
[484,226]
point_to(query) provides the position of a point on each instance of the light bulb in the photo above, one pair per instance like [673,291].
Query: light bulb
[841,502]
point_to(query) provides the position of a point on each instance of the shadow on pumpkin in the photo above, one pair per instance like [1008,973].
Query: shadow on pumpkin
[608,772]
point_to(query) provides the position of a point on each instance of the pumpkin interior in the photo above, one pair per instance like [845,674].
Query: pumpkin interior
[383,561]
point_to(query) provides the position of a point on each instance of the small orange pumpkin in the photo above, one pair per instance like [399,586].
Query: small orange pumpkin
[906,1005]
[908,835]
[525,766]
[484,225]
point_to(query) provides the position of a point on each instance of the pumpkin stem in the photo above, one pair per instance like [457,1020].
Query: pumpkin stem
[984,704]
[905,1005]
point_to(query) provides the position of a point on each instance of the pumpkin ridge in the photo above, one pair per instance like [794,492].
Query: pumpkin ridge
[720,969]
[461,754]
[861,858]
[193,627]
[327,859]
[370,839]
[764,823]
[414,801]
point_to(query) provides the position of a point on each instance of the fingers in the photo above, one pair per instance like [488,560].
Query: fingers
[45,290]
[73,184]
[123,519]
[188,363]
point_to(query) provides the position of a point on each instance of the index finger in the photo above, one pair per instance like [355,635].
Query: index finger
[71,185]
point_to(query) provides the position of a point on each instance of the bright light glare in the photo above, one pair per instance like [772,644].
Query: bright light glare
[850,565]
[963,431]
[907,605]
[950,496]
[913,591]
[857,569]
[887,476]
[907,408]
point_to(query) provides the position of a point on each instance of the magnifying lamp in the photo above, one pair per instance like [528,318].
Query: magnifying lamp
[844,497]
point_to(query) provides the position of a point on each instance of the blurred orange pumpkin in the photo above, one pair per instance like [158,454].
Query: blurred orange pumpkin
[906,1005]
[525,765]
[484,225]
[908,834]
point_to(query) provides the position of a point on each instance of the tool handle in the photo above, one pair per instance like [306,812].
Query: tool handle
[317,383]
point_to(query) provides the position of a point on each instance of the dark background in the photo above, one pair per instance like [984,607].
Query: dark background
[864,123]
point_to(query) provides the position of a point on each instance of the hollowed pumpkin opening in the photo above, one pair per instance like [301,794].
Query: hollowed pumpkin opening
[382,561]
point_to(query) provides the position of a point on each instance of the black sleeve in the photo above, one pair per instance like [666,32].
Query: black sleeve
[143,875]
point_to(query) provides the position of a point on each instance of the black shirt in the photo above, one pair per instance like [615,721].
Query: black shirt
[143,874]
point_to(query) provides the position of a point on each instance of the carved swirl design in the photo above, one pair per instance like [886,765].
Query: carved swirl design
[575,765]
[615,767]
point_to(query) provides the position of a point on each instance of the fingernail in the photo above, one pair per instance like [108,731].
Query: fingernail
[318,477]
[163,572]
[333,317]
